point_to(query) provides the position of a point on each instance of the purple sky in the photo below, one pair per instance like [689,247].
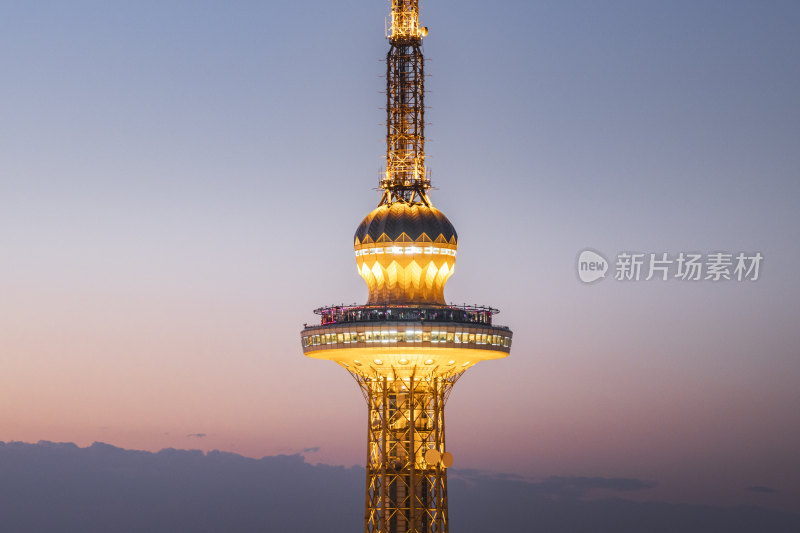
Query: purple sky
[180,182]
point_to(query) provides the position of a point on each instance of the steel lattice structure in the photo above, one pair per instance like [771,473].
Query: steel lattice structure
[406,347]
[405,178]
[406,491]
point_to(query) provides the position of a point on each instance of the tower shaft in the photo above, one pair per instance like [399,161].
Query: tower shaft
[406,490]
[405,178]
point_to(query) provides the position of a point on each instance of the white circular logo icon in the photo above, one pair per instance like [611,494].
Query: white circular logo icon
[591,266]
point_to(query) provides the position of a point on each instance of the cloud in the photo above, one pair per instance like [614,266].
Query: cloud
[581,486]
[313,449]
[196,435]
[49,487]
[761,489]
[557,486]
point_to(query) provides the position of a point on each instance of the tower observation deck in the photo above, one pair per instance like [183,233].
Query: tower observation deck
[406,347]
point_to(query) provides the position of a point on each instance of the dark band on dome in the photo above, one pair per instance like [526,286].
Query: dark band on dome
[412,219]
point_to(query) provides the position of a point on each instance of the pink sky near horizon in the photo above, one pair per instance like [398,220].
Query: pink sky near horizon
[590,405]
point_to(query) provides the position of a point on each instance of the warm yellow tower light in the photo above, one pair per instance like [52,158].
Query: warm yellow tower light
[406,347]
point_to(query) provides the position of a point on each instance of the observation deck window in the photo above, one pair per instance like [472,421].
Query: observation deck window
[408,336]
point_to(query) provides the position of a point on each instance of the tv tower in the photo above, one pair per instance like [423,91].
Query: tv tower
[406,347]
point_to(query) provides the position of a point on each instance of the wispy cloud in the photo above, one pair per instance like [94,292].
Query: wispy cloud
[313,449]
[621,484]
[559,486]
[196,435]
[761,489]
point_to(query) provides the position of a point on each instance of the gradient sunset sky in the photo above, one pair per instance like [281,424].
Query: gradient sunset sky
[180,183]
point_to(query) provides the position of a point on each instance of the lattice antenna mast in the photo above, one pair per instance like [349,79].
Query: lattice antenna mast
[405,179]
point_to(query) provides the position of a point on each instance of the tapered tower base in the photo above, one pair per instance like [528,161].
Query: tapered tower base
[406,475]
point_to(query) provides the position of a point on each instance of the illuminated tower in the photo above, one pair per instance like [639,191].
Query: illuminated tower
[406,347]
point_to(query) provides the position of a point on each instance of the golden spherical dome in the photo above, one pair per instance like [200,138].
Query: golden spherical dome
[405,252]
